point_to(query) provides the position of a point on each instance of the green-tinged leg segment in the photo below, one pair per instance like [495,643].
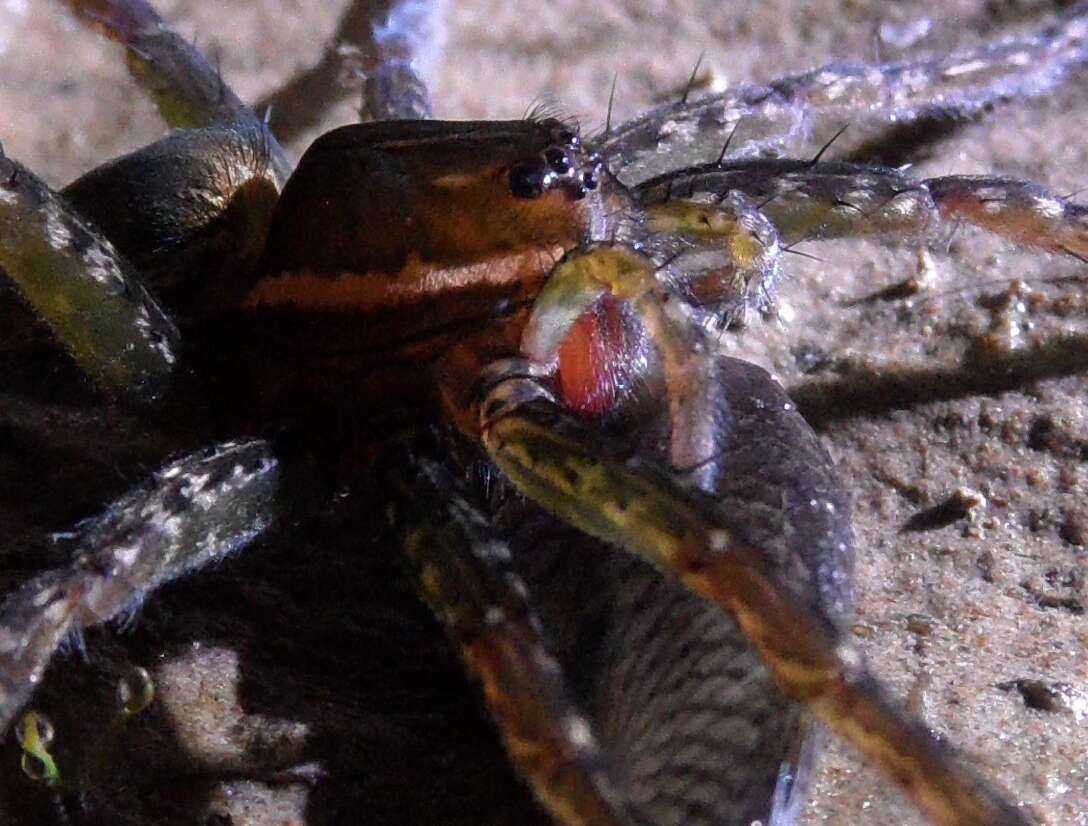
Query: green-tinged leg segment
[640,507]
[82,288]
[818,201]
[465,574]
[194,511]
[188,91]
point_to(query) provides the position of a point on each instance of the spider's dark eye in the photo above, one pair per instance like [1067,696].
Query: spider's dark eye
[527,180]
[557,159]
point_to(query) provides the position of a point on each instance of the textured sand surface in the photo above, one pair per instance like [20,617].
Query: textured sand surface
[945,614]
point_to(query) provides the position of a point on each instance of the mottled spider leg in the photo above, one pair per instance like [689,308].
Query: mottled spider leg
[1021,211]
[188,91]
[83,289]
[816,201]
[373,40]
[465,573]
[719,748]
[197,202]
[769,119]
[192,513]
[392,89]
[189,214]
[665,516]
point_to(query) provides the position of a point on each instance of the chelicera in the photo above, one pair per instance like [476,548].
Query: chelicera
[570,361]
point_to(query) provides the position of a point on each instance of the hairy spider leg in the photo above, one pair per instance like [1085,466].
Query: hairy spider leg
[160,215]
[663,514]
[189,92]
[795,115]
[466,574]
[392,89]
[193,512]
[718,230]
[818,201]
[199,195]
[83,288]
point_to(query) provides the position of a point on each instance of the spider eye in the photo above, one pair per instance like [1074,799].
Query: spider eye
[527,180]
[557,159]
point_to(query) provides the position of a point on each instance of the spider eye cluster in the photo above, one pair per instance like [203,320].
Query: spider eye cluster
[562,166]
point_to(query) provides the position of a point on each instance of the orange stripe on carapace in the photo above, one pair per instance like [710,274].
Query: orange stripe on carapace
[600,357]
[414,284]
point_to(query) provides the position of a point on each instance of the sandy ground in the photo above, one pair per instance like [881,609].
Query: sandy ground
[946,614]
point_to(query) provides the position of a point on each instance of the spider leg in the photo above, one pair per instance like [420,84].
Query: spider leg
[667,512]
[1022,211]
[689,720]
[82,288]
[385,43]
[185,211]
[392,89]
[817,201]
[770,119]
[188,211]
[808,201]
[649,513]
[193,512]
[188,91]
[465,573]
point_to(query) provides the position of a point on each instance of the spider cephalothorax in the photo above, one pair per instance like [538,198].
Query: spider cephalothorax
[485,357]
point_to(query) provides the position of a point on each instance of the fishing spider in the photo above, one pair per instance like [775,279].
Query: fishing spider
[415,731]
